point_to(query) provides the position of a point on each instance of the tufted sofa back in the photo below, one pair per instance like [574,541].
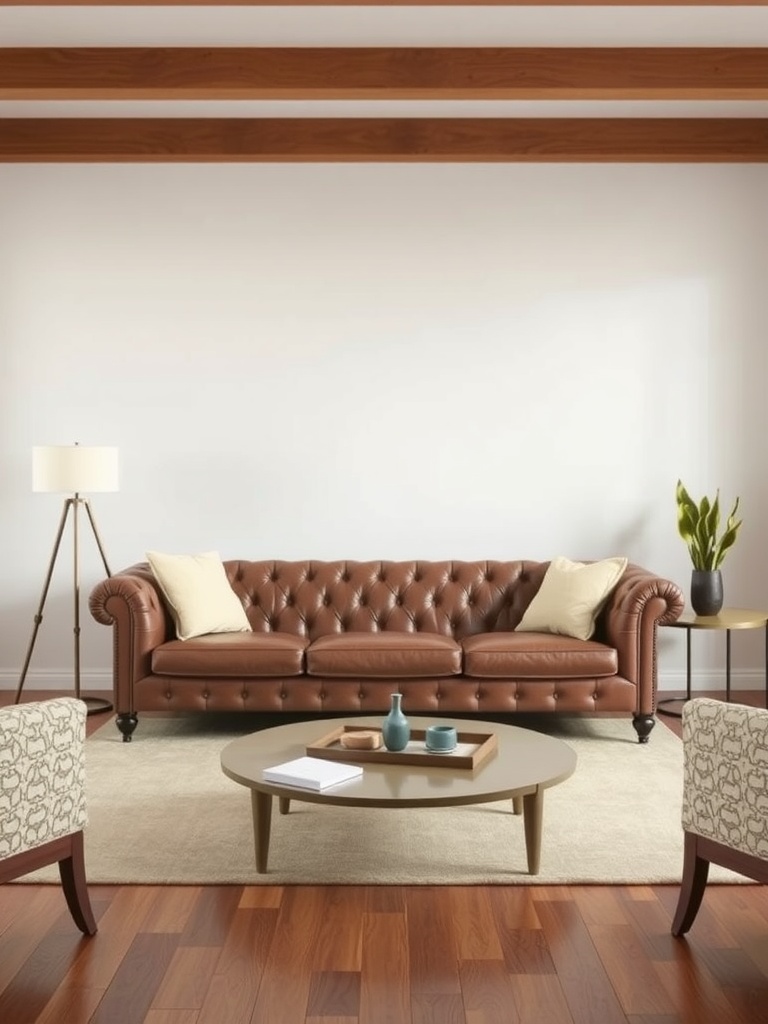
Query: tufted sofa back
[314,599]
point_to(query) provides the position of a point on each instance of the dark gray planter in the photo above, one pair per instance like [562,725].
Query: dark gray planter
[706,591]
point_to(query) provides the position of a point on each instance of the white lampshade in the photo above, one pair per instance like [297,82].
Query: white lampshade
[74,468]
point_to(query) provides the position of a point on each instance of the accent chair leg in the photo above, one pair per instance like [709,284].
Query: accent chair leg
[126,723]
[695,873]
[643,725]
[72,872]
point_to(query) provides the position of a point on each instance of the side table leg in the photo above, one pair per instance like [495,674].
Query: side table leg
[533,814]
[261,808]
[687,662]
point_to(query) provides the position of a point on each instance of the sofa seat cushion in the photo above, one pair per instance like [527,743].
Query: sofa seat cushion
[232,654]
[536,656]
[387,655]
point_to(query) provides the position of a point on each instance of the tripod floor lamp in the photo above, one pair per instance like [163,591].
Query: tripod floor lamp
[72,469]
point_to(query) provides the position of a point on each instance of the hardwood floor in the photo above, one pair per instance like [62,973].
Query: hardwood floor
[384,954]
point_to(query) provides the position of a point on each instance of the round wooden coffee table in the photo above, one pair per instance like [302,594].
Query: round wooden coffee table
[524,765]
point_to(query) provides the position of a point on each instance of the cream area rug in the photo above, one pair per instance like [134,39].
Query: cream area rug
[161,811]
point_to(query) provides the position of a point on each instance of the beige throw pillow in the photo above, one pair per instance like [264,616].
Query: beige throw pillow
[198,594]
[571,596]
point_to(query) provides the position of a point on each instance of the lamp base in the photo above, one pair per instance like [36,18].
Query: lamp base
[96,705]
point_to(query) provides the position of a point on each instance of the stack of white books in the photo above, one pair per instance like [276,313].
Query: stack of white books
[311,773]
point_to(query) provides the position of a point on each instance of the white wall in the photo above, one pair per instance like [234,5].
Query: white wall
[388,361]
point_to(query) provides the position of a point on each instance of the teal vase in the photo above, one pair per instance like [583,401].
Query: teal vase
[395,729]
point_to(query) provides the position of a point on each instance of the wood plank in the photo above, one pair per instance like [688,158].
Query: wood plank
[72,1004]
[385,989]
[388,899]
[631,972]
[330,1020]
[524,140]
[487,992]
[284,988]
[432,941]
[694,992]
[187,979]
[240,968]
[28,993]
[118,927]
[477,939]
[172,908]
[334,994]
[211,917]
[539,999]
[340,938]
[375,72]
[167,1017]
[130,993]
[585,982]
[267,897]
[437,1008]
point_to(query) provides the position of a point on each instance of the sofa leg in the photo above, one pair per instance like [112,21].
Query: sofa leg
[643,725]
[126,723]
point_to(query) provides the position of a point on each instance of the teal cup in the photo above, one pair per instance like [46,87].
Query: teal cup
[440,739]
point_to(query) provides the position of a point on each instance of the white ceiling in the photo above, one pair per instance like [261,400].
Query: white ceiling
[383,26]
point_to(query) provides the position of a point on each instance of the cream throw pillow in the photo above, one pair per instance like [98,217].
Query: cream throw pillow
[571,596]
[198,594]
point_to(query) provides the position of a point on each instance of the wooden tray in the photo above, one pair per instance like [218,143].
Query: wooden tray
[483,744]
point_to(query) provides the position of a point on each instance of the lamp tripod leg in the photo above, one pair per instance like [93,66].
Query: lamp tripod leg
[68,502]
[99,545]
[94,704]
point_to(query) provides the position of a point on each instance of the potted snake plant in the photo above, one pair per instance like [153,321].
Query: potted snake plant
[699,524]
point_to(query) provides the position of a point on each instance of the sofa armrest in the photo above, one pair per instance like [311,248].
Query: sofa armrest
[131,602]
[725,775]
[641,602]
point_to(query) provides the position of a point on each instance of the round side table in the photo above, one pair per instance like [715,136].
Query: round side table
[727,620]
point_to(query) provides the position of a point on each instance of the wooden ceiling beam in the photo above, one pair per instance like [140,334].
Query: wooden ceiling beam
[517,140]
[212,73]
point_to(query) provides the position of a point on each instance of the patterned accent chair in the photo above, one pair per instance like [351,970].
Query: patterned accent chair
[725,797]
[42,796]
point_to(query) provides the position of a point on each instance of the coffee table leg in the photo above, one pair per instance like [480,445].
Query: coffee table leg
[533,813]
[261,807]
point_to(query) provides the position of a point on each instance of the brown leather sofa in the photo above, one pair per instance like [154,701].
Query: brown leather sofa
[339,637]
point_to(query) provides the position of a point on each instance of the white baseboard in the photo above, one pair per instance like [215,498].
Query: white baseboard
[712,680]
[56,679]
